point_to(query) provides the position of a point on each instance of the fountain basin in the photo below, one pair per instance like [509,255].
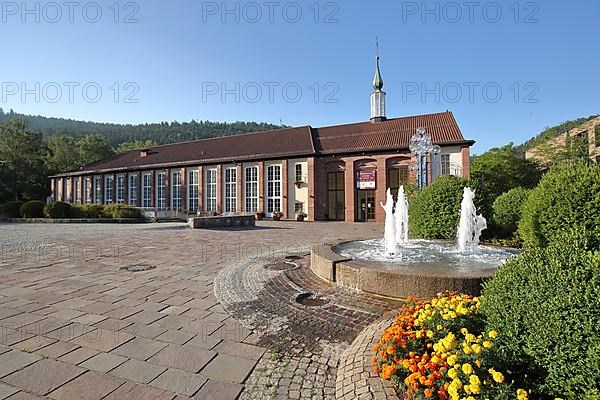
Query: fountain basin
[427,268]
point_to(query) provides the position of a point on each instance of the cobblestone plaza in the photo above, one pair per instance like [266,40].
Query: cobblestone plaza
[164,312]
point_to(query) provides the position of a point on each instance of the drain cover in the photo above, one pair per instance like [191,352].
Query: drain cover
[138,267]
[311,300]
[281,266]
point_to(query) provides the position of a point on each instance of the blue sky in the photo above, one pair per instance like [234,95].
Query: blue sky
[226,61]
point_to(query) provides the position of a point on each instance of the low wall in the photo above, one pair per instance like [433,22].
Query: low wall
[378,278]
[222,221]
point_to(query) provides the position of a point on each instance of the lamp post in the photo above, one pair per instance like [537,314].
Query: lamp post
[421,147]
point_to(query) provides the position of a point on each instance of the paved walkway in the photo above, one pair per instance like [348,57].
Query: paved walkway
[75,325]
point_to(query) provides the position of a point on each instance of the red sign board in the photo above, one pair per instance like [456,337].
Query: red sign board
[366,180]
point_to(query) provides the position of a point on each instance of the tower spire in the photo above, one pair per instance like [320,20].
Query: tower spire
[377,81]
[378,95]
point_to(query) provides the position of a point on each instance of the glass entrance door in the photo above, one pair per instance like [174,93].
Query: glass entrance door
[365,206]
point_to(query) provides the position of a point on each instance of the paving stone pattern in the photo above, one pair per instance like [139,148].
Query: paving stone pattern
[73,325]
[305,342]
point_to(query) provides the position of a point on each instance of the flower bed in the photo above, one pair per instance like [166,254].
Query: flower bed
[439,349]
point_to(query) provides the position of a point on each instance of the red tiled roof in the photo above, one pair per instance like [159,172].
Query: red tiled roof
[387,135]
[393,134]
[277,143]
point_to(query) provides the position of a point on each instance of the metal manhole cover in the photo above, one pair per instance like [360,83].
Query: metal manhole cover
[311,300]
[138,267]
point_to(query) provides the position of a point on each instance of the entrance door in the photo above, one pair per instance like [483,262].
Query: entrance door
[365,206]
[335,196]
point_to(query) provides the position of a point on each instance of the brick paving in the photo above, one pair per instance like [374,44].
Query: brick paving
[93,331]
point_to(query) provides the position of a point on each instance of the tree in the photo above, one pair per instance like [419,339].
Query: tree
[503,168]
[135,145]
[63,154]
[93,147]
[22,171]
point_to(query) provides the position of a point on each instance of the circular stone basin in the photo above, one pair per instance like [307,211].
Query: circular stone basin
[421,268]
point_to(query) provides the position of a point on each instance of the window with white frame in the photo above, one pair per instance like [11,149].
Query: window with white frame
[133,190]
[231,189]
[193,183]
[147,190]
[445,164]
[108,189]
[211,189]
[299,176]
[251,189]
[273,188]
[76,188]
[120,189]
[97,190]
[87,190]
[176,182]
[161,190]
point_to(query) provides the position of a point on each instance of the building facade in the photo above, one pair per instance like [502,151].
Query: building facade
[335,173]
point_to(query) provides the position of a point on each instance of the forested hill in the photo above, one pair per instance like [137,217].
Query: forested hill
[161,133]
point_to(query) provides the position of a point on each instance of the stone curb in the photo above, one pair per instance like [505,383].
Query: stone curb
[355,376]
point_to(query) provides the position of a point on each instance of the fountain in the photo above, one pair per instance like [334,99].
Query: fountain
[398,267]
[471,225]
[389,234]
[401,217]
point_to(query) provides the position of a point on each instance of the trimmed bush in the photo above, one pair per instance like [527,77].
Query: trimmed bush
[12,209]
[32,209]
[568,196]
[121,211]
[507,211]
[57,210]
[545,306]
[435,211]
[91,211]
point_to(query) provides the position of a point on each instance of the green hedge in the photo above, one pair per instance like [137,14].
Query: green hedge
[12,209]
[121,211]
[568,196]
[507,211]
[57,210]
[544,305]
[90,211]
[32,209]
[435,211]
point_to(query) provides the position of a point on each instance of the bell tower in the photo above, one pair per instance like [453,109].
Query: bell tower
[378,95]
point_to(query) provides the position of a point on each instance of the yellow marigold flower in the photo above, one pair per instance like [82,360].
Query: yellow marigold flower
[467,389]
[439,327]
[498,377]
[467,369]
[452,373]
[467,349]
[521,394]
[430,334]
[487,344]
[493,334]
[474,380]
[452,359]
[456,383]
[476,348]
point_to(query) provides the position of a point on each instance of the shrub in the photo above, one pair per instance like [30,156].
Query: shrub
[91,211]
[435,212]
[12,209]
[57,210]
[121,211]
[439,350]
[568,196]
[545,305]
[32,209]
[507,211]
